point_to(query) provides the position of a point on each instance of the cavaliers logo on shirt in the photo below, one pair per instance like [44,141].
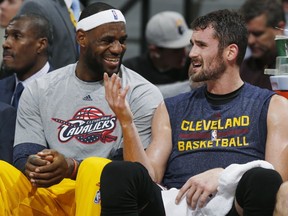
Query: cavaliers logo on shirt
[88,125]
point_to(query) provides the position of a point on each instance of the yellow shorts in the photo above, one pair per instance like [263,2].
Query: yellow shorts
[69,197]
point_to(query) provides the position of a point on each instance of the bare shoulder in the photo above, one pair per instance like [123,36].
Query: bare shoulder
[279,103]
[278,108]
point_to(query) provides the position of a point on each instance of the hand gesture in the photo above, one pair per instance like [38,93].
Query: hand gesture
[116,98]
[46,168]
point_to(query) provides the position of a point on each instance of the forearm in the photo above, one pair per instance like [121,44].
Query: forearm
[133,149]
[21,153]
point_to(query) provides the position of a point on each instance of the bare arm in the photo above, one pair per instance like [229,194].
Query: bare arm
[160,147]
[198,187]
[277,139]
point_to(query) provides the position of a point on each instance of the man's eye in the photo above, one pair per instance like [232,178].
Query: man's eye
[257,34]
[15,36]
[107,41]
[201,45]
[123,40]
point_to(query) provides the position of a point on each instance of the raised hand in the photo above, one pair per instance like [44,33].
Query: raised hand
[116,98]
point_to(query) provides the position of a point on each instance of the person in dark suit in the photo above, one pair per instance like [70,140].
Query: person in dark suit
[64,49]
[264,20]
[26,47]
[8,11]
[7,131]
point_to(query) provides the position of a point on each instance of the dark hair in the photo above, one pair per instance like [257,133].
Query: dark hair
[41,27]
[94,8]
[272,8]
[229,28]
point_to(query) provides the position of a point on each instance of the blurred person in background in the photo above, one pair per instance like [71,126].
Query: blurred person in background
[8,9]
[165,63]
[285,8]
[28,38]
[264,20]
[58,13]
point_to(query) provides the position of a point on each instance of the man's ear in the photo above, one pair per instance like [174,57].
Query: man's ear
[81,37]
[280,28]
[42,45]
[281,24]
[154,51]
[231,52]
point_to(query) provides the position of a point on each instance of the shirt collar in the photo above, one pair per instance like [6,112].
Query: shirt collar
[41,72]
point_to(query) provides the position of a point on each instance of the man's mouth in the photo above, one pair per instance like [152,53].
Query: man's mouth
[196,64]
[7,55]
[113,60]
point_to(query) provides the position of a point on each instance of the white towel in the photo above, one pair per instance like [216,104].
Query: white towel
[222,202]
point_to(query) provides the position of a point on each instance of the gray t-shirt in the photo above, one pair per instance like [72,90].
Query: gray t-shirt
[59,111]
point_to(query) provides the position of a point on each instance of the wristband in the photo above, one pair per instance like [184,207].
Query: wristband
[73,175]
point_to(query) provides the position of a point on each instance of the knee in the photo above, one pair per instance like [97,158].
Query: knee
[4,163]
[5,166]
[258,181]
[92,165]
[260,177]
[118,177]
[93,162]
[255,182]
[129,185]
[125,169]
[119,174]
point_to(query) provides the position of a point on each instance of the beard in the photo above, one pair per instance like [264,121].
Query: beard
[21,70]
[98,63]
[215,70]
[5,71]
[93,62]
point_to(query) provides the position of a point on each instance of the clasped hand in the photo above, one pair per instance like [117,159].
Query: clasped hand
[46,168]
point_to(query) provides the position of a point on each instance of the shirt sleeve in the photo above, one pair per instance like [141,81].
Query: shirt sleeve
[29,126]
[144,101]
